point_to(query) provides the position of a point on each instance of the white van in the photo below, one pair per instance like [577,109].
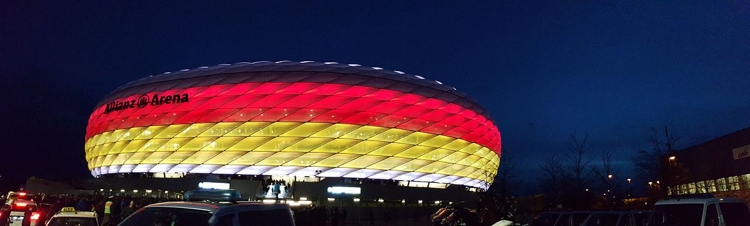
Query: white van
[701,209]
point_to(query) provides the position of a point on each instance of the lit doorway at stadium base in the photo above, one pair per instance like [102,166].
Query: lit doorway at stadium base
[276,187]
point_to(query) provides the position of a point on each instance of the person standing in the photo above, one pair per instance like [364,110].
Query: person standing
[372,217]
[83,204]
[335,216]
[276,189]
[107,211]
[343,216]
[126,211]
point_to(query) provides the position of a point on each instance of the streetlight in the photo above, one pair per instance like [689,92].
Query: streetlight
[629,187]
[609,183]
[672,173]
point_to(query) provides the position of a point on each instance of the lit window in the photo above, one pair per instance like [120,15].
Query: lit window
[721,184]
[701,187]
[691,188]
[745,181]
[734,183]
[711,184]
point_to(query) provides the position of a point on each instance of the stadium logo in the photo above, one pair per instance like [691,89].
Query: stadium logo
[144,101]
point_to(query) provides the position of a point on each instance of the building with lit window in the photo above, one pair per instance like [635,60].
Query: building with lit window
[720,166]
[309,126]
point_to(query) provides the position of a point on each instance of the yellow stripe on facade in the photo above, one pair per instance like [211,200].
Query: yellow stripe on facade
[293,144]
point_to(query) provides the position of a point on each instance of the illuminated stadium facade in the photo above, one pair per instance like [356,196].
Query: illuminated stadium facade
[302,119]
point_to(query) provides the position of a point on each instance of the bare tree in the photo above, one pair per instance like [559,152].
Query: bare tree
[578,162]
[651,164]
[606,172]
[508,178]
[553,176]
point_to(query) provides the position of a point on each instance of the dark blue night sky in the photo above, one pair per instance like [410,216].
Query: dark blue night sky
[609,69]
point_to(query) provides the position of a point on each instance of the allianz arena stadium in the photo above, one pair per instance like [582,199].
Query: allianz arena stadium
[301,119]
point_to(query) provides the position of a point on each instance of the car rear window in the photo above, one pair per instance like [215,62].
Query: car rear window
[545,219]
[735,214]
[162,216]
[596,219]
[578,218]
[677,214]
[273,217]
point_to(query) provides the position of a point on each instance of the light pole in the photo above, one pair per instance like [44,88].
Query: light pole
[610,190]
[671,172]
[629,188]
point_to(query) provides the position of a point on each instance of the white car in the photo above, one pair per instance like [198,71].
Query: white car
[20,210]
[700,209]
[68,216]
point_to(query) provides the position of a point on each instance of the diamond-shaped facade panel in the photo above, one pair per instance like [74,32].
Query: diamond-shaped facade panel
[294,119]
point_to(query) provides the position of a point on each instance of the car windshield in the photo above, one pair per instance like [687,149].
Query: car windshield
[24,197]
[72,221]
[677,215]
[640,219]
[160,216]
[545,219]
[578,218]
[602,219]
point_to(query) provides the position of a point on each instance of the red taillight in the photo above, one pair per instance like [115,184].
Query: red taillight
[21,204]
[22,194]
[35,216]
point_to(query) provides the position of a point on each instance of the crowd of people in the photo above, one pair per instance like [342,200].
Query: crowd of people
[276,188]
[320,215]
[488,211]
[110,209]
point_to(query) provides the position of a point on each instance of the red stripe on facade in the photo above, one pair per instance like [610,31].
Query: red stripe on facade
[296,102]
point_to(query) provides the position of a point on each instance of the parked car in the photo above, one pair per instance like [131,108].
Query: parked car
[700,209]
[616,218]
[560,218]
[209,208]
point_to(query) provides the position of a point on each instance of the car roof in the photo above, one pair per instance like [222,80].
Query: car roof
[224,207]
[567,212]
[205,206]
[610,212]
[699,201]
[244,206]
[84,214]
